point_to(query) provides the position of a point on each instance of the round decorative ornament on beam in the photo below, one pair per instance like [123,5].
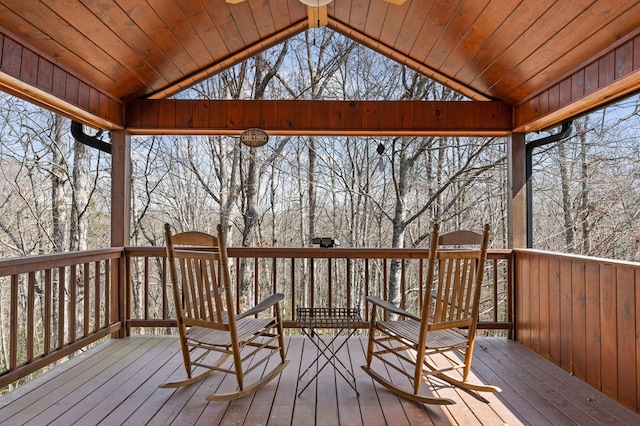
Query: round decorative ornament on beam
[254,138]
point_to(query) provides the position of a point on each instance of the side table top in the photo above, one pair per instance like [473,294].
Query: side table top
[328,317]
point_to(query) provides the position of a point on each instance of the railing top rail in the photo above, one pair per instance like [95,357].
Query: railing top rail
[319,252]
[20,265]
[579,257]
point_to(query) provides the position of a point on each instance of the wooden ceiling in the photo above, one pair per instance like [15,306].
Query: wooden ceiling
[547,59]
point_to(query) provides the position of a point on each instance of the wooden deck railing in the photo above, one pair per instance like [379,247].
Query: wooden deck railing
[315,277]
[583,314]
[54,305]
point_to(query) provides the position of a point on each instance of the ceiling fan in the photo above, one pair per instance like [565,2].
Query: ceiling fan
[317,10]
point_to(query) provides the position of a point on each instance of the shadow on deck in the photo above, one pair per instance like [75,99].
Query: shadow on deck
[117,383]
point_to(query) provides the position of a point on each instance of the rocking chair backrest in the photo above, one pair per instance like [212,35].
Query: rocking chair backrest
[454,279]
[198,262]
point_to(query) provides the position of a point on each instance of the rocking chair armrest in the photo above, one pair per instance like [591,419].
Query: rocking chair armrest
[391,307]
[263,305]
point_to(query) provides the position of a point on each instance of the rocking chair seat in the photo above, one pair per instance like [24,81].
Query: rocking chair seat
[246,327]
[410,331]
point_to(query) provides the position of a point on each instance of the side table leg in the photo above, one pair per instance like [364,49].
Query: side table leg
[330,356]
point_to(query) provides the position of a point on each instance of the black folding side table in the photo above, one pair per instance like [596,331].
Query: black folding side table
[311,319]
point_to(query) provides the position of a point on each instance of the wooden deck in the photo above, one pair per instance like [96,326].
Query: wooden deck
[117,383]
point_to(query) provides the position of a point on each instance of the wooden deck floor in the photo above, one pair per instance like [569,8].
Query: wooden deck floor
[117,383]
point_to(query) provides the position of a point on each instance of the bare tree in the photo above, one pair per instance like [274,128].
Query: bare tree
[588,181]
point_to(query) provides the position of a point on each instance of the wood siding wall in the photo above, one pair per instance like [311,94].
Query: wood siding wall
[610,76]
[584,315]
[50,86]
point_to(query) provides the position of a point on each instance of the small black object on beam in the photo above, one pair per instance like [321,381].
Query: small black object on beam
[326,242]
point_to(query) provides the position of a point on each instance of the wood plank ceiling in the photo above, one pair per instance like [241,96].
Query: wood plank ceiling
[548,59]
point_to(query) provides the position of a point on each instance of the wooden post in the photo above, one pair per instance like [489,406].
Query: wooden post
[120,220]
[517,202]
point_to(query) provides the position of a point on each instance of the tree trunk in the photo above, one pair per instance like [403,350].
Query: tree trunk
[82,188]
[58,180]
[585,209]
[569,238]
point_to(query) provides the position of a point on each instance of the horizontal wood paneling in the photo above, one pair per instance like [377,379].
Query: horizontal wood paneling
[44,83]
[582,314]
[318,117]
[607,77]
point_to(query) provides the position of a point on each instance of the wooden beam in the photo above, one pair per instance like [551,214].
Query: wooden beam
[28,75]
[609,76]
[301,117]
[318,16]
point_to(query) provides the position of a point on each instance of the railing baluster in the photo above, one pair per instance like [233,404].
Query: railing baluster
[13,333]
[256,282]
[146,287]
[366,288]
[87,299]
[274,276]
[349,281]
[403,285]
[238,281]
[107,291]
[30,315]
[165,300]
[72,303]
[420,286]
[47,298]
[312,283]
[385,287]
[96,294]
[495,290]
[293,289]
[329,283]
[61,305]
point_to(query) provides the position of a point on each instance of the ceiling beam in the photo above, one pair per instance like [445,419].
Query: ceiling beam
[318,16]
[302,117]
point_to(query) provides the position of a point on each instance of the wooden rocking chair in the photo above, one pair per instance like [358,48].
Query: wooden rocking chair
[447,326]
[207,323]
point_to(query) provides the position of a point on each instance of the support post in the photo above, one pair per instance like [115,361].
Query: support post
[120,221]
[517,202]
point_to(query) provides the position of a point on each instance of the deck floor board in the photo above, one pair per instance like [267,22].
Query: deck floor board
[117,383]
